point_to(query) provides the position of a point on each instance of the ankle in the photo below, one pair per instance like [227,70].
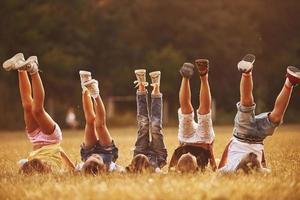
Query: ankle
[288,84]
[247,74]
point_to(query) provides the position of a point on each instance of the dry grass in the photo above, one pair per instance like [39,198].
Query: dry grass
[282,153]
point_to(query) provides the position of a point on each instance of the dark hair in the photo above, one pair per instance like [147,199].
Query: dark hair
[249,163]
[139,164]
[94,168]
[203,158]
[187,163]
[34,166]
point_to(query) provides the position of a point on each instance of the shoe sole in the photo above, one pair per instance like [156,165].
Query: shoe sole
[249,58]
[187,68]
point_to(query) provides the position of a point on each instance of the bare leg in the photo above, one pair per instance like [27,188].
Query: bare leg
[281,103]
[204,96]
[185,97]
[101,128]
[45,122]
[246,89]
[27,102]
[90,138]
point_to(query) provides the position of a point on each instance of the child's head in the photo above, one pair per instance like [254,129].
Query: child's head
[187,163]
[248,163]
[94,165]
[34,166]
[139,164]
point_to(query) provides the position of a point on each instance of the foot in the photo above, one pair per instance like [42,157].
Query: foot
[84,77]
[141,77]
[31,65]
[187,70]
[203,66]
[14,62]
[293,74]
[246,64]
[155,78]
[92,87]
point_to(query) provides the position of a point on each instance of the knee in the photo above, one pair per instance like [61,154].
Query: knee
[27,106]
[37,111]
[277,119]
[90,119]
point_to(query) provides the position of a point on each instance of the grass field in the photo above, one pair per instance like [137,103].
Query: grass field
[282,154]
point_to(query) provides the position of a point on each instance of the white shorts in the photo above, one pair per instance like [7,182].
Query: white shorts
[237,151]
[192,132]
[37,137]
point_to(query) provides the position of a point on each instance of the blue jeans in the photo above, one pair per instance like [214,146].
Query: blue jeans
[155,149]
[249,127]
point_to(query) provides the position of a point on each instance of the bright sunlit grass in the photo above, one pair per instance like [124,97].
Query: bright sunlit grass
[282,154]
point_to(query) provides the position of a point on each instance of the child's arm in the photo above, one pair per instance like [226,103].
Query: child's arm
[263,160]
[67,161]
[212,160]
[224,156]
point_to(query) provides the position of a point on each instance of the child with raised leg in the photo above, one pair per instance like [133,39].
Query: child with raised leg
[196,139]
[42,131]
[149,155]
[245,150]
[98,151]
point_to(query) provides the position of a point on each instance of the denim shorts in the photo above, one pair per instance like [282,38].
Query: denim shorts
[108,153]
[250,127]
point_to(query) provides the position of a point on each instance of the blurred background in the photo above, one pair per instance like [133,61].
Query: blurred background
[111,38]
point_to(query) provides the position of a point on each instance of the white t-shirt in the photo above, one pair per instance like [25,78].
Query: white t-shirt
[237,151]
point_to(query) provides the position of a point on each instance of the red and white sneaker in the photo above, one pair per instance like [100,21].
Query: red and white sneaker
[246,64]
[293,74]
[203,66]
[155,78]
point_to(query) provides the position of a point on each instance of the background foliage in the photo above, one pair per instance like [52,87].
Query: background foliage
[112,38]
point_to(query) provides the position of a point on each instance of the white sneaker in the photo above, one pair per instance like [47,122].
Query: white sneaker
[14,62]
[246,64]
[84,77]
[141,77]
[31,65]
[155,78]
[92,87]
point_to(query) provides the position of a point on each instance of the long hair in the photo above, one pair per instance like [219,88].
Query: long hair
[34,166]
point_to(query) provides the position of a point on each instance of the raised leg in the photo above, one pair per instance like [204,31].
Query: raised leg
[27,102]
[45,122]
[281,103]
[90,138]
[246,89]
[157,144]
[101,128]
[204,96]
[185,97]
[142,140]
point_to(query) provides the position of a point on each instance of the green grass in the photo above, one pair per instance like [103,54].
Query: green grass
[282,154]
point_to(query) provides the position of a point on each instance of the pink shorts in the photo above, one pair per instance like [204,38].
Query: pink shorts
[37,137]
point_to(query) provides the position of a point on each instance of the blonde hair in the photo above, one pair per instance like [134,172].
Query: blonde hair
[187,163]
[94,168]
[139,164]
